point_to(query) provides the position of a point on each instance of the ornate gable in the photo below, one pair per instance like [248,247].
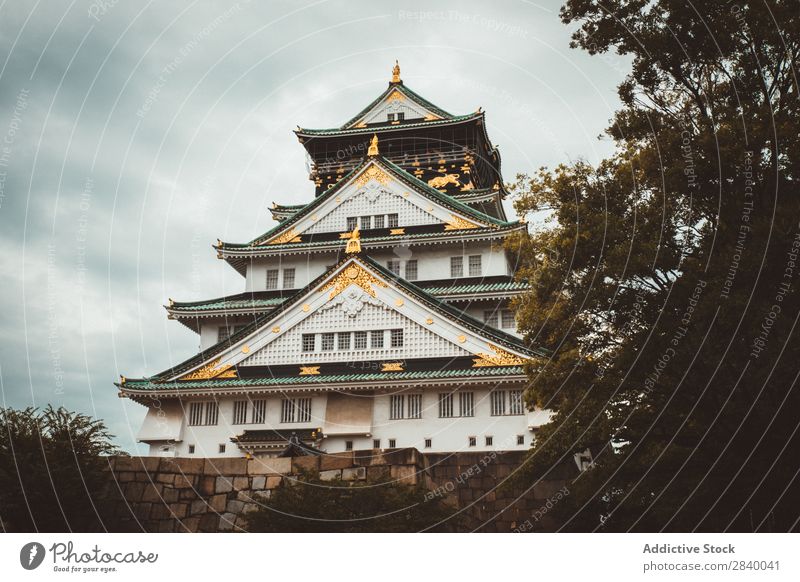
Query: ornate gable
[393,103]
[355,297]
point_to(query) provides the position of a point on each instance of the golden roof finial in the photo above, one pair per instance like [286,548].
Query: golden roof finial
[373,146]
[396,72]
[354,242]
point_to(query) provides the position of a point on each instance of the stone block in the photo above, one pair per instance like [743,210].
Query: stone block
[240,483]
[208,522]
[354,474]
[152,492]
[330,475]
[234,506]
[404,474]
[401,457]
[160,511]
[378,473]
[267,466]
[165,478]
[217,502]
[223,485]
[126,476]
[189,465]
[226,521]
[259,482]
[337,461]
[248,507]
[226,466]
[170,495]
[190,524]
[188,494]
[368,458]
[198,506]
[183,481]
[207,485]
[308,463]
[142,511]
[273,482]
[166,526]
[133,491]
[246,496]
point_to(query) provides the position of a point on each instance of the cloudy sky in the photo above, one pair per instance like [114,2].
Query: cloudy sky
[134,134]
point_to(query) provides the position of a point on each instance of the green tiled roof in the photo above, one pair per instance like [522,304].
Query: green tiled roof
[478,288]
[383,128]
[146,384]
[223,303]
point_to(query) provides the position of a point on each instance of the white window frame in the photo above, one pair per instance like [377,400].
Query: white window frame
[271,279]
[475,266]
[456,267]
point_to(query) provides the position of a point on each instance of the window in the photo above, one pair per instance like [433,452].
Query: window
[400,116]
[498,402]
[397,338]
[391,221]
[446,405]
[392,443]
[466,403]
[376,339]
[508,319]
[411,270]
[428,443]
[360,340]
[272,278]
[288,278]
[223,333]
[489,441]
[296,410]
[394,266]
[259,411]
[366,222]
[415,406]
[348,445]
[520,439]
[397,406]
[344,340]
[456,266]
[515,402]
[222,448]
[475,266]
[327,342]
[473,441]
[309,342]
[376,443]
[390,117]
[195,414]
[212,413]
[240,412]
[379,220]
[191,449]
[352,223]
[490,318]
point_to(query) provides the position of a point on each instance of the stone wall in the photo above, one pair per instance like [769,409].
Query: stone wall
[210,495]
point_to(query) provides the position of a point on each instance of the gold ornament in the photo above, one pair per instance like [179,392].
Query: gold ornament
[500,358]
[372,173]
[373,146]
[353,242]
[211,370]
[286,237]
[399,302]
[395,96]
[458,223]
[397,231]
[392,367]
[396,72]
[309,370]
[355,274]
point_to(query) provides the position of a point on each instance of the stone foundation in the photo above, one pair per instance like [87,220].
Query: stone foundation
[212,495]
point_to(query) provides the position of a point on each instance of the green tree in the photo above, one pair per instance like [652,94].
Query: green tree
[665,279]
[311,504]
[53,474]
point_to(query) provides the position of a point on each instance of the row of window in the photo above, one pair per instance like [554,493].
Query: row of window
[473,263]
[372,221]
[411,270]
[343,340]
[400,116]
[504,317]
[503,403]
[401,406]
[292,410]
[472,441]
[288,278]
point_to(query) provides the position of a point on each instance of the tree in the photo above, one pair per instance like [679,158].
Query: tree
[310,504]
[53,474]
[665,281]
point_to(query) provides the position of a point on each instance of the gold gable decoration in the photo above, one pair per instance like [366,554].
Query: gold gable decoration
[211,370]
[500,358]
[392,367]
[355,274]
[287,237]
[395,96]
[372,173]
[458,223]
[309,370]
[373,145]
